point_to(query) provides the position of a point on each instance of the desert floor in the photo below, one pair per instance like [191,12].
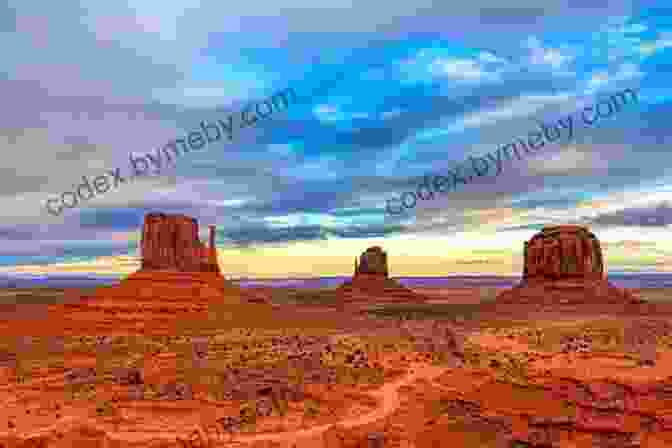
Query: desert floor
[458,371]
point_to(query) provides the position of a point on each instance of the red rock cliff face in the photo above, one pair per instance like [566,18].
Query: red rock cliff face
[563,252]
[564,264]
[178,275]
[372,262]
[170,242]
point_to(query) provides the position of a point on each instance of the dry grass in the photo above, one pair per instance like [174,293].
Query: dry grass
[605,334]
[460,432]
[321,296]
[224,317]
[240,337]
[463,311]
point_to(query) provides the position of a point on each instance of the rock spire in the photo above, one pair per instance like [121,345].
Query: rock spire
[373,261]
[371,284]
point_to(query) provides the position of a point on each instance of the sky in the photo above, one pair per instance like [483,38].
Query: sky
[423,87]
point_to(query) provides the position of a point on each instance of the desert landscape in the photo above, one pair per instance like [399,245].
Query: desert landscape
[175,355]
[336,224]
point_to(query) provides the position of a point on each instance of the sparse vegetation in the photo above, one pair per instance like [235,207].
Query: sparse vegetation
[429,311]
[311,408]
[280,405]
[248,415]
[105,409]
[282,368]
[325,296]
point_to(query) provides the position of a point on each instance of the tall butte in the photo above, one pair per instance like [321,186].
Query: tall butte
[178,272]
[174,261]
[170,242]
[371,284]
[564,264]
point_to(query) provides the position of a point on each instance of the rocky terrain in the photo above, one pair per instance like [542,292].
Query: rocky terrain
[398,376]
[237,383]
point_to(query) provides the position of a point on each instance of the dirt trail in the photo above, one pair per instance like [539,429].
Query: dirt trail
[388,398]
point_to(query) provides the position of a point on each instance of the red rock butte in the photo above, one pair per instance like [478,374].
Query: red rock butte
[371,284]
[177,268]
[564,264]
[171,242]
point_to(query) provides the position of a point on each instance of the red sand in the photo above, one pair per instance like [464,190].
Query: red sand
[516,382]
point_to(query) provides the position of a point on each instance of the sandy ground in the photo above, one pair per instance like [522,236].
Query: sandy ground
[567,377]
[387,397]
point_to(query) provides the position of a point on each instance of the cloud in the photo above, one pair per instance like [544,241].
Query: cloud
[510,15]
[658,216]
[573,160]
[478,261]
[518,107]
[462,70]
[650,47]
[262,234]
[625,72]
[543,56]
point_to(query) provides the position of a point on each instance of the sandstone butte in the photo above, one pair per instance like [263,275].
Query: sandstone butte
[564,265]
[178,272]
[371,284]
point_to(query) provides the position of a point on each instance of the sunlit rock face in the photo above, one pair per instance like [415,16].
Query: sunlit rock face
[170,242]
[178,274]
[563,252]
[371,283]
[564,264]
[372,262]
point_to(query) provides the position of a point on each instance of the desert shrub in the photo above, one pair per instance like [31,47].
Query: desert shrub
[344,375]
[311,408]
[151,392]
[428,311]
[128,377]
[280,404]
[22,370]
[510,368]
[80,383]
[520,444]
[440,407]
[105,409]
[248,413]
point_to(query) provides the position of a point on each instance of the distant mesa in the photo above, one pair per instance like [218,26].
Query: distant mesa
[371,284]
[372,262]
[564,264]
